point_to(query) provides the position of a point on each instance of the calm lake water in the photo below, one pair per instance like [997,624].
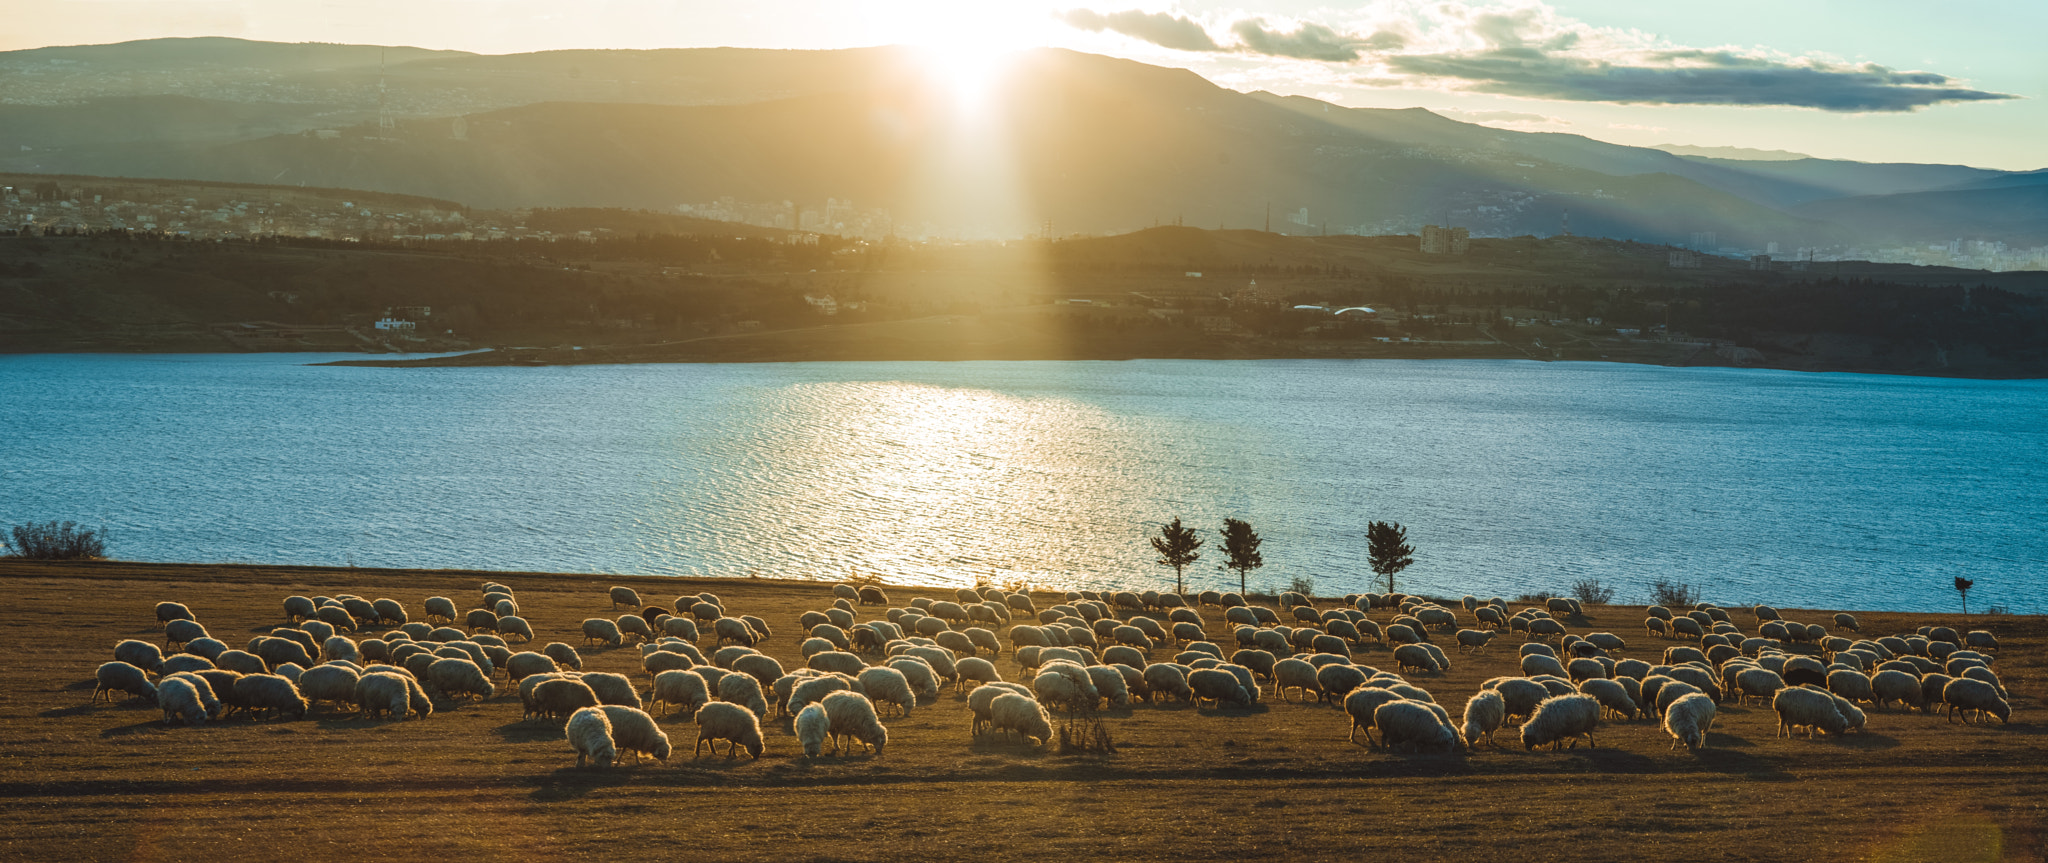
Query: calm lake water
[1802,490]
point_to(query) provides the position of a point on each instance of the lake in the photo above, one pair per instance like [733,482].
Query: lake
[1802,490]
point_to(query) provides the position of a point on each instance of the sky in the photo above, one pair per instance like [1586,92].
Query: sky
[1960,81]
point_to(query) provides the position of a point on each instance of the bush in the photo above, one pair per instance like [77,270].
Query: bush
[1304,585]
[1590,591]
[1674,594]
[53,540]
[1536,598]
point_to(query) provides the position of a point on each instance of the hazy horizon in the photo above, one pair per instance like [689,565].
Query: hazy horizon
[1895,83]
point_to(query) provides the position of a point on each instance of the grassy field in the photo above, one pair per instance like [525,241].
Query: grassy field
[97,782]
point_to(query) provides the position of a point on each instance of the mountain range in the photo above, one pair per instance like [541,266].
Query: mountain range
[1077,142]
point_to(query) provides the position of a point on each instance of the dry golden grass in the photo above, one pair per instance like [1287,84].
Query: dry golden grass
[112,782]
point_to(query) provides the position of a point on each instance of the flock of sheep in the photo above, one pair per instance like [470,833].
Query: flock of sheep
[1091,650]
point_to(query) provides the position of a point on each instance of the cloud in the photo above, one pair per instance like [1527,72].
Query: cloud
[1514,118]
[1537,75]
[1529,50]
[1311,41]
[1158,28]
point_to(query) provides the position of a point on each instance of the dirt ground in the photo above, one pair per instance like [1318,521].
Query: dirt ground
[101,782]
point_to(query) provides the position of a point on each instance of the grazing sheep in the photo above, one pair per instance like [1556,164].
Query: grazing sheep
[1585,669]
[590,733]
[1852,685]
[336,683]
[1417,657]
[743,690]
[1218,686]
[852,717]
[1520,694]
[1485,712]
[459,677]
[1760,683]
[262,693]
[169,611]
[563,655]
[1980,639]
[1612,696]
[118,676]
[625,596]
[837,661]
[140,654]
[339,647]
[1168,681]
[1562,718]
[379,693]
[975,670]
[1012,712]
[1537,664]
[683,689]
[297,608]
[636,732]
[1298,674]
[1475,639]
[337,617]
[1966,696]
[390,612]
[241,661]
[1890,685]
[1812,709]
[185,662]
[602,629]
[1414,726]
[278,651]
[872,595]
[612,689]
[555,699]
[182,631]
[1109,684]
[1688,719]
[208,647]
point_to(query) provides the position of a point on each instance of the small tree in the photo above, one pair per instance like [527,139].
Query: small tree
[1387,545]
[1674,594]
[55,540]
[1591,591]
[1963,586]
[1241,550]
[1178,548]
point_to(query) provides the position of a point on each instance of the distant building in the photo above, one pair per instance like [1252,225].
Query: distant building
[395,325]
[1703,240]
[1439,240]
[1760,262]
[1684,259]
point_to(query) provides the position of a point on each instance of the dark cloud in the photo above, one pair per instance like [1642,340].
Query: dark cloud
[1158,28]
[1311,41]
[1713,78]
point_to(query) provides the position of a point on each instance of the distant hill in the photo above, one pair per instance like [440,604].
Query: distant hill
[1737,153]
[2016,214]
[1090,143]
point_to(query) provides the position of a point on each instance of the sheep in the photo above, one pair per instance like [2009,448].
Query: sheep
[743,690]
[1012,712]
[625,596]
[1980,639]
[1561,718]
[612,689]
[1414,726]
[1168,681]
[1520,694]
[1688,719]
[241,661]
[440,609]
[1475,639]
[590,733]
[182,631]
[837,661]
[680,627]
[1485,712]
[337,617]
[1852,685]
[207,648]
[1759,683]
[1964,695]
[1545,628]
[458,677]
[185,662]
[815,689]
[563,655]
[1295,674]
[339,647]
[118,676]
[636,732]
[336,683]
[560,697]
[1109,684]
[1537,664]
[1218,686]
[1583,669]
[1612,696]
[262,693]
[511,625]
[852,717]
[1812,709]
[975,670]
[297,608]
[1891,684]
[140,654]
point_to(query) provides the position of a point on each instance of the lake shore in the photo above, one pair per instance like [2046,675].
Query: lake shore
[1276,780]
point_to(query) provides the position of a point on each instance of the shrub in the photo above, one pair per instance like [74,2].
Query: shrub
[1304,585]
[54,540]
[1674,594]
[1590,591]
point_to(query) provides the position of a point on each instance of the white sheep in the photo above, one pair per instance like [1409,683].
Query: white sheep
[381,692]
[625,596]
[590,733]
[612,689]
[1688,719]
[1218,686]
[636,732]
[261,693]
[1485,712]
[1561,718]
[604,630]
[1011,712]
[1417,657]
[1299,674]
[340,647]
[1536,664]
[1414,726]
[852,717]
[1852,685]
[1812,709]
[1612,696]
[1761,683]
[513,625]
[336,683]
[1966,696]
[563,655]
[745,691]
[118,676]
[812,729]
[140,654]
[1168,681]
[459,677]
[888,685]
[1109,683]
[180,700]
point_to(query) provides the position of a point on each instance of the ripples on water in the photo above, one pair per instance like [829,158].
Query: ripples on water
[1829,490]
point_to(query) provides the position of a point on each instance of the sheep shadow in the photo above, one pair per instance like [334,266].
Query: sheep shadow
[1867,740]
[82,685]
[573,783]
[1611,760]
[145,726]
[1731,761]
[528,731]
[1259,709]
[73,710]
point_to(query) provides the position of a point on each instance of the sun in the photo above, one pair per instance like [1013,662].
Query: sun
[966,46]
